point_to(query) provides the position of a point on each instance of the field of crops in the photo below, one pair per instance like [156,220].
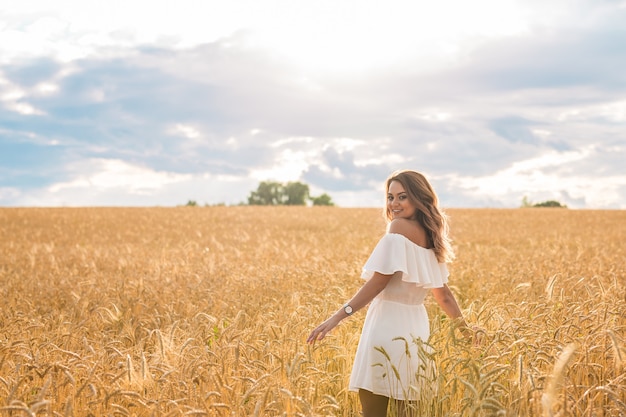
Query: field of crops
[204,311]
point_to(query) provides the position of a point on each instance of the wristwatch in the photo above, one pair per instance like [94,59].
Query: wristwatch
[348,309]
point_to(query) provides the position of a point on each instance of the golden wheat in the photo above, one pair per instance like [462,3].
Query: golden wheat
[205,311]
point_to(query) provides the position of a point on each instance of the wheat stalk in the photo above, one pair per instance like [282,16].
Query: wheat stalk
[549,396]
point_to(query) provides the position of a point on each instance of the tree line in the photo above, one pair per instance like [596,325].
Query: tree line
[548,203]
[293,193]
[272,193]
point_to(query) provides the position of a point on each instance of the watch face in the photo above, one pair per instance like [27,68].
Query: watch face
[348,310]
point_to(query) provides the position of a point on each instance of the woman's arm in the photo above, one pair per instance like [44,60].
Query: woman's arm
[448,304]
[365,294]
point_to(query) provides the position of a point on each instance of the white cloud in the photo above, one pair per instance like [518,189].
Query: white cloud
[24,108]
[46,88]
[105,174]
[183,130]
[288,165]
[549,176]
[202,188]
[286,141]
[365,198]
[12,98]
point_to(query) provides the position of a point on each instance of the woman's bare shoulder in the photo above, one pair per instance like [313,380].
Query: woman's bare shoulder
[403,226]
[410,229]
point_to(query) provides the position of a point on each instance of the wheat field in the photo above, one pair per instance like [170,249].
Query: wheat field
[204,311]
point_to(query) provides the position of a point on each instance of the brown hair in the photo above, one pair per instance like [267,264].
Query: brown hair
[427,213]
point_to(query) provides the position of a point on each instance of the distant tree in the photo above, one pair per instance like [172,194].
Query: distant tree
[322,200]
[296,194]
[191,203]
[269,193]
[550,203]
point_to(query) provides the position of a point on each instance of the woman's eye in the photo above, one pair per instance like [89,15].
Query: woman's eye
[402,197]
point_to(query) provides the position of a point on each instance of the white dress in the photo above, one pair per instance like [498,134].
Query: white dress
[388,360]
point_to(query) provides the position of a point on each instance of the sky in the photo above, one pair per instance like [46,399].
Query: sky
[155,103]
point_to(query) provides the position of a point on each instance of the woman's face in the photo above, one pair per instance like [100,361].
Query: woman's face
[398,202]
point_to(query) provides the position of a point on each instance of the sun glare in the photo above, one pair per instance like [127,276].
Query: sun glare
[324,35]
[362,36]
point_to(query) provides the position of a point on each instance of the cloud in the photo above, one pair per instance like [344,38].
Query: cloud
[104,182]
[110,174]
[338,171]
[552,176]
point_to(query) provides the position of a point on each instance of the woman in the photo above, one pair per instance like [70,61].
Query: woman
[408,261]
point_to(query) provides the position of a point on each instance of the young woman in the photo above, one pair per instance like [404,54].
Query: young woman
[407,263]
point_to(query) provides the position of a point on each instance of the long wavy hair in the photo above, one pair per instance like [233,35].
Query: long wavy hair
[427,213]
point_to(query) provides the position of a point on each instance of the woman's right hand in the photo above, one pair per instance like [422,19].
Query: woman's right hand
[322,330]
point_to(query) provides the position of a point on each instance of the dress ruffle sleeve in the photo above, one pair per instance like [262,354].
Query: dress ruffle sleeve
[395,252]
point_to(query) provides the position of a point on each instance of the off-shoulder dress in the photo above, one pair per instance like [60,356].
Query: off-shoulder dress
[388,360]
